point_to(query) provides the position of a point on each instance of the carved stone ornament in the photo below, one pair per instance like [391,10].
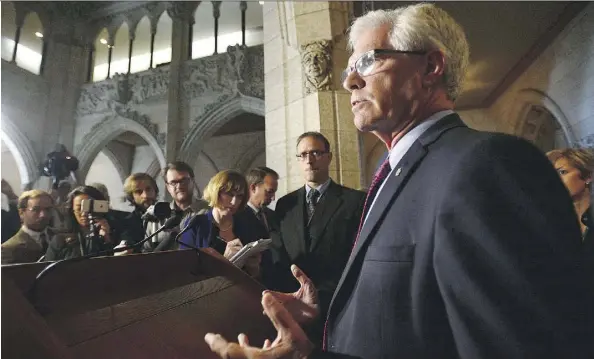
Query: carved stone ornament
[316,61]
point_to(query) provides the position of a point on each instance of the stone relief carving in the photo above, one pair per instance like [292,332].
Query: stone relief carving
[317,67]
[149,84]
[239,70]
[95,98]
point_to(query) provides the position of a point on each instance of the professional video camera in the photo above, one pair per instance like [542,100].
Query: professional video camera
[59,165]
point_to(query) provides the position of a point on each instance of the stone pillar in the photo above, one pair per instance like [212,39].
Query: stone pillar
[305,53]
[178,121]
[65,72]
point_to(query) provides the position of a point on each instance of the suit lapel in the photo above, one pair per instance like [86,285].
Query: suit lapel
[296,244]
[392,187]
[330,202]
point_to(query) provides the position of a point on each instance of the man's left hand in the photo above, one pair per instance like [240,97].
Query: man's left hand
[290,342]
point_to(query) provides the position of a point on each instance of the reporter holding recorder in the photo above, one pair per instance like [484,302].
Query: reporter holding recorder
[226,194]
[85,232]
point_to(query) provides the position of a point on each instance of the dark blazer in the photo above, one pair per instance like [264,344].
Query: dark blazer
[11,222]
[332,229]
[248,228]
[471,251]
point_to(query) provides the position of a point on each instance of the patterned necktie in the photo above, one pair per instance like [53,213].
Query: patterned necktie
[378,178]
[312,200]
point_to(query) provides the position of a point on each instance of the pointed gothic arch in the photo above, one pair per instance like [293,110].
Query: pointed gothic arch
[108,129]
[22,150]
[209,123]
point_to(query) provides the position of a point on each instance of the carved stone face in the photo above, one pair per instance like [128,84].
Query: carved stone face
[317,62]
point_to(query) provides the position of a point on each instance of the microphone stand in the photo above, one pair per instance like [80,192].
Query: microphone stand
[170,222]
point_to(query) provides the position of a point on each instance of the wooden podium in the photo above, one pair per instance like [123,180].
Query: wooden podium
[144,306]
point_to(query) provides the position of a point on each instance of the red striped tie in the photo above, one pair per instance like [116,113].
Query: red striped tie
[378,178]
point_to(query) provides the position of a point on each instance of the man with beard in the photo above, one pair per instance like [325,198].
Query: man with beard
[141,191]
[179,179]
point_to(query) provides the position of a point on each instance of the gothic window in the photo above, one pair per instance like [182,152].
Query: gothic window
[8,29]
[30,45]
[229,31]
[120,52]
[101,55]
[162,53]
[141,51]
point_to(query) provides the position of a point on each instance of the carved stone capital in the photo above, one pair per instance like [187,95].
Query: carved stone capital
[216,8]
[587,141]
[180,11]
[316,60]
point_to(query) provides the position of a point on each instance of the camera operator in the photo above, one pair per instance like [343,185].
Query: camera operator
[141,191]
[87,232]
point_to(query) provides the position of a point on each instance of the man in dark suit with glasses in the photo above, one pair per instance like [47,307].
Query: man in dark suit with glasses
[318,224]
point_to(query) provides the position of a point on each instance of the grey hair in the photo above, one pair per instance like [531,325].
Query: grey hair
[422,27]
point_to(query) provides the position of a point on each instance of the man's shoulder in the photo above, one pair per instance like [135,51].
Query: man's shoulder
[349,192]
[19,238]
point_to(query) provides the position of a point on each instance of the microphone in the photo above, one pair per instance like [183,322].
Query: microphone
[168,240]
[157,212]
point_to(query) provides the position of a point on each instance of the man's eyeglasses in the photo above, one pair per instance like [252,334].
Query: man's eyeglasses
[303,156]
[366,62]
[181,182]
[38,210]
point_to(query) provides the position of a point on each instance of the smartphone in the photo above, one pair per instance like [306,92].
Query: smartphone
[94,206]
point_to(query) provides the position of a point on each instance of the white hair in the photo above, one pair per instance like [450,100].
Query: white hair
[422,27]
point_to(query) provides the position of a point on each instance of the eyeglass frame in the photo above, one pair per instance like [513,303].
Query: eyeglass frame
[175,183]
[305,155]
[350,69]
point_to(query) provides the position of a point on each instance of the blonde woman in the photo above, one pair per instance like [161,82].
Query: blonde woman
[226,194]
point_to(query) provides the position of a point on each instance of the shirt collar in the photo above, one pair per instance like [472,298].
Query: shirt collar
[33,234]
[256,210]
[400,148]
[321,188]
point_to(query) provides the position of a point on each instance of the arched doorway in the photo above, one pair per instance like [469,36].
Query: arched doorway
[21,160]
[123,155]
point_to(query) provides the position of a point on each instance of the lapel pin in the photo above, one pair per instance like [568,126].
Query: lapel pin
[398,170]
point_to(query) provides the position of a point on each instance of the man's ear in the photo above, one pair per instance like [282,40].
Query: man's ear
[329,156]
[252,188]
[435,68]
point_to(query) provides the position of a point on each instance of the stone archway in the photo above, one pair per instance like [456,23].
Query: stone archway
[107,130]
[208,124]
[526,99]
[23,152]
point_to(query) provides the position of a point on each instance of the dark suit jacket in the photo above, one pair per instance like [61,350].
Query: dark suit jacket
[471,251]
[332,229]
[249,228]
[11,222]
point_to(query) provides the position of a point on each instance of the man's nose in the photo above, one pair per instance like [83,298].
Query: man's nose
[353,82]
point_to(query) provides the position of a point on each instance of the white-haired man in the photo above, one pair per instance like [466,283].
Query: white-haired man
[469,247]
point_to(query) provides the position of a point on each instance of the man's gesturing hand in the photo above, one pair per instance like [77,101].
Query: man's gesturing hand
[303,304]
[290,342]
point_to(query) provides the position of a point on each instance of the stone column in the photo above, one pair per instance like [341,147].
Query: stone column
[65,72]
[178,121]
[305,53]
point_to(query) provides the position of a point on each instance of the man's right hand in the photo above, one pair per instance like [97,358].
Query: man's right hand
[303,304]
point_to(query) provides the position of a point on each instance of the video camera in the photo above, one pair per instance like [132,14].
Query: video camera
[59,165]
